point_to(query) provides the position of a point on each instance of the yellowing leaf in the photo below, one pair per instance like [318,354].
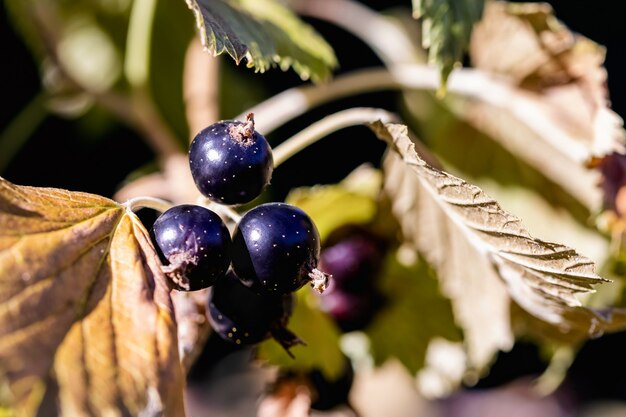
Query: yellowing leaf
[352,201]
[264,32]
[83,305]
[484,257]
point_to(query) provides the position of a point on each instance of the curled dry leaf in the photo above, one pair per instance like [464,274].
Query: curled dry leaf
[484,257]
[552,109]
[83,306]
[561,70]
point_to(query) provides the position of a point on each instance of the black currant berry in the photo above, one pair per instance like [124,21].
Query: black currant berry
[244,317]
[353,262]
[276,248]
[194,244]
[231,163]
[351,311]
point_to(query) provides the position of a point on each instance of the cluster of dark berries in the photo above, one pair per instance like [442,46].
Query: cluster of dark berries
[274,249]
[354,257]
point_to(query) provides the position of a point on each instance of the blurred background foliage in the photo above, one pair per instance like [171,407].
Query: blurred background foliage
[54,134]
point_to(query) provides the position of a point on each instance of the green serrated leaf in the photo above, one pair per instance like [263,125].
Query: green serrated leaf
[415,314]
[318,331]
[446,29]
[265,33]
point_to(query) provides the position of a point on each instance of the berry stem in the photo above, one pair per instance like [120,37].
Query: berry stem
[154,203]
[286,339]
[222,210]
[327,125]
[139,38]
[248,130]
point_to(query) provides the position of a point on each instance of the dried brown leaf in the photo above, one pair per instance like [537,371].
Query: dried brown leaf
[562,71]
[484,257]
[83,304]
[551,106]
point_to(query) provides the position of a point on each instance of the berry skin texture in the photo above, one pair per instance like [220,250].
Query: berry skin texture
[241,316]
[276,249]
[231,163]
[194,244]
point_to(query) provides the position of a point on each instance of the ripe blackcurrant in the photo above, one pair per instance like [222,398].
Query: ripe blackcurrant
[351,310]
[194,244]
[231,163]
[353,261]
[244,317]
[354,256]
[276,247]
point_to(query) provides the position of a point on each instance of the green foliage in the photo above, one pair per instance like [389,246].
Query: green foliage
[415,314]
[525,124]
[446,29]
[266,34]
[320,334]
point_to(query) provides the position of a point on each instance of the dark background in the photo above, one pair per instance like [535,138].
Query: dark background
[62,153]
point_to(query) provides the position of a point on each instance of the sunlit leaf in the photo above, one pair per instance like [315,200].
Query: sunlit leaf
[446,29]
[320,334]
[471,153]
[83,306]
[552,109]
[265,33]
[352,201]
[484,257]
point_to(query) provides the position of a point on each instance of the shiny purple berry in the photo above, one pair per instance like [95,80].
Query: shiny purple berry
[194,244]
[231,163]
[241,316]
[276,249]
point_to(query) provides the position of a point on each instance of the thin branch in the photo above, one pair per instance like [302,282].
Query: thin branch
[327,125]
[200,87]
[222,210]
[386,38]
[138,43]
[475,84]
